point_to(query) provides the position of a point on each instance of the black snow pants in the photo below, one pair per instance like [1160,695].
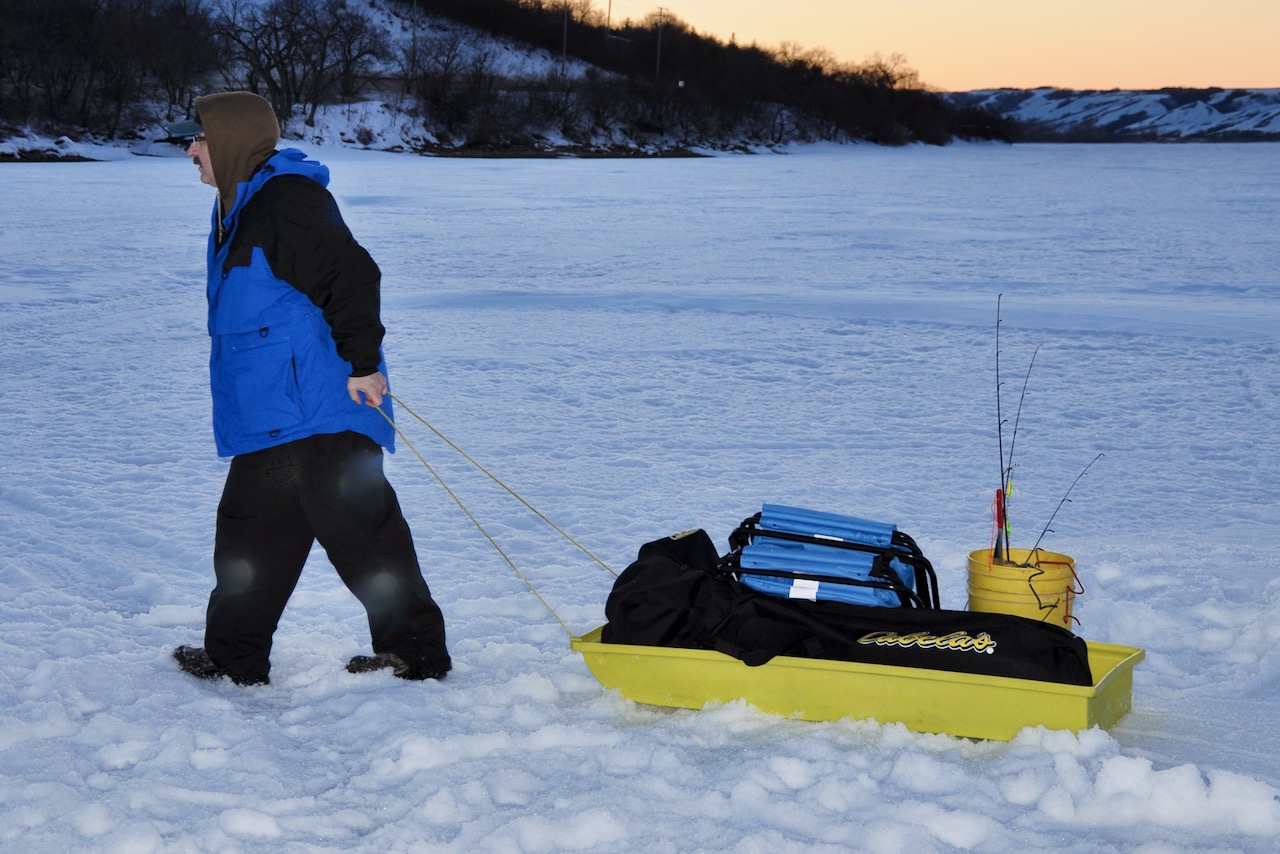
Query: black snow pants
[279,501]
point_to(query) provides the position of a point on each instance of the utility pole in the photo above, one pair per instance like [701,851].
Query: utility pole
[564,48]
[662,19]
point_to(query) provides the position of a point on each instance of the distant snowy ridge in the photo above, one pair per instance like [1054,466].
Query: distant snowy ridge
[1218,115]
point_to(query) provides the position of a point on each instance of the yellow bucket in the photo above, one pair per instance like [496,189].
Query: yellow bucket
[1039,585]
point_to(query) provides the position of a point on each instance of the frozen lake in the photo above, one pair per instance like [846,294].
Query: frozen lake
[640,347]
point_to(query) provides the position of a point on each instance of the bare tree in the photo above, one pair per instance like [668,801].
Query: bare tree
[356,46]
[182,51]
[96,64]
[300,51]
[267,42]
[456,81]
[47,57]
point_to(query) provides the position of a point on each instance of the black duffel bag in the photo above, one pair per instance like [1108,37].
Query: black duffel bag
[673,596]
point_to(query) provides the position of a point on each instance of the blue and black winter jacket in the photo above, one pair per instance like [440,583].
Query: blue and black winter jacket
[293,312]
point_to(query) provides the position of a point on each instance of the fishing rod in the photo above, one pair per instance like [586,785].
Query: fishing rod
[1065,499]
[997,551]
[1008,480]
[1004,531]
[1017,418]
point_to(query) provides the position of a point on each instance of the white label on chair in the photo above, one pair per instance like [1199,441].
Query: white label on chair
[803,588]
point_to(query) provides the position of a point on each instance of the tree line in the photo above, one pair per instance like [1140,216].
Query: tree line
[111,67]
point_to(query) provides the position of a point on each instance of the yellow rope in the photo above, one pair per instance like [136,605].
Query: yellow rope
[475,521]
[492,477]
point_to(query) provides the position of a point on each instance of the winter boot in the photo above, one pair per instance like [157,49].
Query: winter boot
[194,660]
[398,666]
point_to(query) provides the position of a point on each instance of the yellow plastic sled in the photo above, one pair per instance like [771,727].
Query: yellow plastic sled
[963,704]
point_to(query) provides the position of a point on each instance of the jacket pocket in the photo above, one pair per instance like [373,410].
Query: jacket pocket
[260,382]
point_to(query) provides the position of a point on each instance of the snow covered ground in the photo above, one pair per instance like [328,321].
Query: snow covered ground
[640,347]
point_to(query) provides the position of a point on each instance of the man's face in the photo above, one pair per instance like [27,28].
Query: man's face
[198,151]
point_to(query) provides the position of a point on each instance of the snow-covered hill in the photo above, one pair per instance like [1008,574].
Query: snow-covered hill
[1163,114]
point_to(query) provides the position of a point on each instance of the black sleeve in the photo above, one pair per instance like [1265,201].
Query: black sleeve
[297,223]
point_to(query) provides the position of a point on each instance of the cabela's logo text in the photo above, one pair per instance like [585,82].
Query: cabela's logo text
[956,641]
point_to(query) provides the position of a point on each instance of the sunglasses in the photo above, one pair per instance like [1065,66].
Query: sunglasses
[199,138]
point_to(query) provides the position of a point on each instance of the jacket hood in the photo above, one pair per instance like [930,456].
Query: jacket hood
[287,161]
[241,132]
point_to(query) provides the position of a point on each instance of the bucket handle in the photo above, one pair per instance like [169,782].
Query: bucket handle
[1076,589]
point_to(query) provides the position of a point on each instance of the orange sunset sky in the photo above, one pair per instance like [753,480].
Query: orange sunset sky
[957,45]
